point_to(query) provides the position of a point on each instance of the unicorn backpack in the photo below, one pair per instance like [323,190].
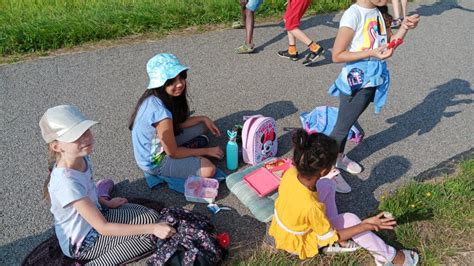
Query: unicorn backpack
[259,140]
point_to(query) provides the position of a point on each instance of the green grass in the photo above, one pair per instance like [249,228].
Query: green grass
[32,26]
[434,218]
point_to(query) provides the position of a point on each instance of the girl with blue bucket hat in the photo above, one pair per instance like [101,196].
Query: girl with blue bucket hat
[168,143]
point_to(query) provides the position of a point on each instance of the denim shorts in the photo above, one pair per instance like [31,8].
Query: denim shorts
[253,4]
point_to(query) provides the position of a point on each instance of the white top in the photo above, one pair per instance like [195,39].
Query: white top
[368,25]
[65,187]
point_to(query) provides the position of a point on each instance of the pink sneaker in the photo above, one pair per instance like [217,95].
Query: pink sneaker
[348,165]
[104,187]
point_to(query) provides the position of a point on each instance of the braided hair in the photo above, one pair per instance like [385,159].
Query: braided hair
[313,153]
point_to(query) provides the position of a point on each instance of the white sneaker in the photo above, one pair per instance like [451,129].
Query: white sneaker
[341,184]
[332,174]
[348,165]
[351,246]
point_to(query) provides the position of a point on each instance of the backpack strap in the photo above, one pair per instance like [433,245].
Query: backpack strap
[249,122]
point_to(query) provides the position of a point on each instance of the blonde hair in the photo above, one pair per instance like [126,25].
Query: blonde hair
[53,157]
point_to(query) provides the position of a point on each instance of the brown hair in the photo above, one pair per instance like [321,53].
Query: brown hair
[387,18]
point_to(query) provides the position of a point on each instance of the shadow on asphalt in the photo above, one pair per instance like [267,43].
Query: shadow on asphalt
[277,110]
[327,56]
[328,20]
[20,245]
[438,8]
[314,21]
[421,119]
[445,168]
[361,200]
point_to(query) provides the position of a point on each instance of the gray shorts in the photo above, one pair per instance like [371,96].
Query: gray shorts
[182,167]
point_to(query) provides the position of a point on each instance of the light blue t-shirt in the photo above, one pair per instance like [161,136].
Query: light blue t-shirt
[65,187]
[147,147]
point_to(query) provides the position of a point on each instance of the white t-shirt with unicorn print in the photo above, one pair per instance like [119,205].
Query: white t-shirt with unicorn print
[368,25]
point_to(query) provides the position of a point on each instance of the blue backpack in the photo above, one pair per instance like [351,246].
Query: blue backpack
[322,119]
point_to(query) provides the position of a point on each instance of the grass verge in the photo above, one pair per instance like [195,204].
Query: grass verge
[435,218]
[37,26]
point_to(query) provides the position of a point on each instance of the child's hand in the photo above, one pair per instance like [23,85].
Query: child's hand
[380,222]
[115,202]
[212,127]
[163,230]
[382,52]
[411,22]
[215,152]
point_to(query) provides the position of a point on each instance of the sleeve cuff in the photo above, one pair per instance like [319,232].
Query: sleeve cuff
[328,238]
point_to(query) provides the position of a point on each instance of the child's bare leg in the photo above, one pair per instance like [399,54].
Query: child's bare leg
[300,35]
[242,10]
[208,169]
[404,8]
[249,25]
[291,39]
[396,8]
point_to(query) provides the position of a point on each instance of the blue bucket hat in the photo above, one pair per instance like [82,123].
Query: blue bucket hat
[162,67]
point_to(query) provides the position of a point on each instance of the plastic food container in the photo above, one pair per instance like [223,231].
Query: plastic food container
[201,189]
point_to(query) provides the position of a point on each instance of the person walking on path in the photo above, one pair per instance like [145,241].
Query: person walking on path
[362,44]
[248,8]
[293,14]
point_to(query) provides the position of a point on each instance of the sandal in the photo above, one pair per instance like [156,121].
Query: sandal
[396,23]
[411,257]
[237,25]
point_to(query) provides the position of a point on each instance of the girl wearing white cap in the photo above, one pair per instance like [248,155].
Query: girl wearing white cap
[87,225]
[166,140]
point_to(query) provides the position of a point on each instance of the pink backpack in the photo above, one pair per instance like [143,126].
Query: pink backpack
[259,141]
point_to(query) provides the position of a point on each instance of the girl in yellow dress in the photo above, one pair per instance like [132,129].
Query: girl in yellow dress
[306,216]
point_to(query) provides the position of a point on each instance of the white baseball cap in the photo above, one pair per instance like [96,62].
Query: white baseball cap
[64,123]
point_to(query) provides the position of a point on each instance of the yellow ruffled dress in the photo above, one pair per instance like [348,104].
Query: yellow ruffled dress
[300,225]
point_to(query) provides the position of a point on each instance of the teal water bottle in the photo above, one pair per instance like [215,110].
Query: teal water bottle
[231,151]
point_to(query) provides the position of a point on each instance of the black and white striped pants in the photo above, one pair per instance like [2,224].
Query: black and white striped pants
[112,250]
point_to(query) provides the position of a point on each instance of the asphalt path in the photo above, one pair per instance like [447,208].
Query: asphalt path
[427,120]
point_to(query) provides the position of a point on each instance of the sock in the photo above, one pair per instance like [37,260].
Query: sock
[313,46]
[292,49]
